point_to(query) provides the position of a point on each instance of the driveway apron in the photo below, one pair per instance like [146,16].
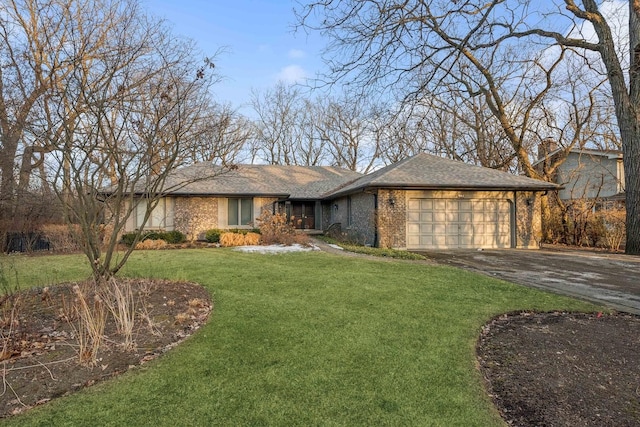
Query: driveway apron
[609,279]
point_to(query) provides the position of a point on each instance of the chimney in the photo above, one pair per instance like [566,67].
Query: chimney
[546,147]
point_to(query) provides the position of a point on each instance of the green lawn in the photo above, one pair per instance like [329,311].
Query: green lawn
[302,339]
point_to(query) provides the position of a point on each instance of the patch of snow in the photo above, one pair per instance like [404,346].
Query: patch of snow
[336,246]
[276,249]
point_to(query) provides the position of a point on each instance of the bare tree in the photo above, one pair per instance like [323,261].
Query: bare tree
[118,124]
[222,138]
[312,149]
[34,57]
[276,124]
[455,127]
[489,50]
[285,128]
[343,128]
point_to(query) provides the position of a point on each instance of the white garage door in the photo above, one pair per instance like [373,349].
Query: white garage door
[457,223]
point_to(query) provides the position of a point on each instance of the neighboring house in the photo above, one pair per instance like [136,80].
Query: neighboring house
[590,174]
[422,202]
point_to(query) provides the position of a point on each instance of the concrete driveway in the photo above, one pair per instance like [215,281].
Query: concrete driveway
[609,279]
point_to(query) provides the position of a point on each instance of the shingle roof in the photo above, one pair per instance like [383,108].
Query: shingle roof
[429,172]
[296,182]
[422,171]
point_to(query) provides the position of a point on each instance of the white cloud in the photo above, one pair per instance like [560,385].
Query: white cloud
[291,74]
[296,54]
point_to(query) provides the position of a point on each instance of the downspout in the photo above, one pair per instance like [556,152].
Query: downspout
[514,221]
[377,219]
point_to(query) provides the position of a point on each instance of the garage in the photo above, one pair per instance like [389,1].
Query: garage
[427,202]
[434,223]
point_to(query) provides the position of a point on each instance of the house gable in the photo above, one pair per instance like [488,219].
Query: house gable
[591,174]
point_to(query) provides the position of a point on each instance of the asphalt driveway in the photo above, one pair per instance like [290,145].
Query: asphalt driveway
[609,279]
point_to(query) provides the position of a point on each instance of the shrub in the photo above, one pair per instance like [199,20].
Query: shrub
[61,237]
[243,231]
[252,239]
[213,235]
[275,229]
[613,222]
[553,225]
[239,239]
[152,235]
[151,244]
[573,223]
[232,239]
[128,238]
[173,237]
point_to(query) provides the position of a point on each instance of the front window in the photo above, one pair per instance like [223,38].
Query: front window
[240,211]
[161,216]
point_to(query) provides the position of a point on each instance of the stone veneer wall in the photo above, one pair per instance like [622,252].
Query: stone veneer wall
[195,215]
[262,204]
[528,220]
[361,230]
[392,219]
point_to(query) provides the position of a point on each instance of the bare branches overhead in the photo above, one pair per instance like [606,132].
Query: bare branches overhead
[512,55]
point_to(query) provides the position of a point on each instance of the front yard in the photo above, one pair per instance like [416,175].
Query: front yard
[302,339]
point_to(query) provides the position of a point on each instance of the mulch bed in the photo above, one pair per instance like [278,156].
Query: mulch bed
[39,352]
[563,369]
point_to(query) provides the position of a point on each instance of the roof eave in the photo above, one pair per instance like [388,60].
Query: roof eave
[546,187]
[218,194]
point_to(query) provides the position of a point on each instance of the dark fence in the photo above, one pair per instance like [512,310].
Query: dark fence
[25,242]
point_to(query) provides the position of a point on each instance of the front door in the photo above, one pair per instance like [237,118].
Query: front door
[303,215]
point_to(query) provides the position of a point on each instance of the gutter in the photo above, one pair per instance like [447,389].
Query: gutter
[545,187]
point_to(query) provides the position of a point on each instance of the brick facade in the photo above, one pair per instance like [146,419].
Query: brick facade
[262,204]
[195,215]
[392,218]
[528,220]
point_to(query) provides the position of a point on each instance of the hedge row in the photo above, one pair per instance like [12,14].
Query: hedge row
[213,235]
[168,236]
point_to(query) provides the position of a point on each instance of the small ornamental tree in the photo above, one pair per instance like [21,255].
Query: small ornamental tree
[276,229]
[118,123]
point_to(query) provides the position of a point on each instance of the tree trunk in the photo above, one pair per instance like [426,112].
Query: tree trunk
[631,161]
[8,182]
[630,135]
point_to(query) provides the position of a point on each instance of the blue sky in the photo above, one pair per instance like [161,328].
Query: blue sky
[257,36]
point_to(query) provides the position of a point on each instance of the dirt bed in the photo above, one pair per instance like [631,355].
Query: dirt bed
[39,352]
[563,369]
